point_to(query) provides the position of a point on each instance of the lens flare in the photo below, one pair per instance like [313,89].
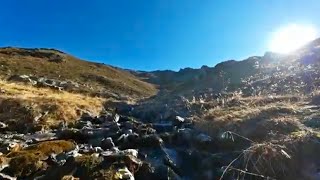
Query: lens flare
[291,38]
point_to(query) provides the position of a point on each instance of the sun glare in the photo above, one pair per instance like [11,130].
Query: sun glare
[291,37]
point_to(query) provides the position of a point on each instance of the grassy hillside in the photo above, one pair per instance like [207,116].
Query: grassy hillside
[93,78]
[24,108]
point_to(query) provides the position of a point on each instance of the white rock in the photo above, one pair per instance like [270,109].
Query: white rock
[124,173]
[116,118]
[3,125]
[180,119]
[132,152]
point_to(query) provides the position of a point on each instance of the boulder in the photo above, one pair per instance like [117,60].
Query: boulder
[203,138]
[123,174]
[128,125]
[83,124]
[107,143]
[132,152]
[126,157]
[73,134]
[6,177]
[22,78]
[86,116]
[116,118]
[146,172]
[150,141]
[3,125]
[127,141]
[184,136]
[163,127]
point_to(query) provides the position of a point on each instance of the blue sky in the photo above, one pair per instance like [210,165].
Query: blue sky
[152,34]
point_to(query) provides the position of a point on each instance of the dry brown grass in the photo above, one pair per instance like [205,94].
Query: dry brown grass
[269,135]
[294,157]
[20,104]
[29,160]
[258,118]
[94,77]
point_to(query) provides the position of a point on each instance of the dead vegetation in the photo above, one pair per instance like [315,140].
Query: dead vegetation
[26,161]
[93,78]
[281,159]
[23,107]
[270,136]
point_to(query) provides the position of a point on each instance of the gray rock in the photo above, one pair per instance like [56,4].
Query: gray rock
[84,124]
[86,116]
[116,118]
[132,152]
[74,153]
[107,143]
[179,119]
[184,136]
[150,141]
[22,78]
[98,149]
[6,177]
[125,174]
[203,138]
[3,125]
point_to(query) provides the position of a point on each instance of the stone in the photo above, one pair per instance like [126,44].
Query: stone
[69,177]
[128,125]
[74,152]
[203,138]
[73,134]
[57,159]
[163,127]
[56,58]
[132,152]
[86,116]
[123,156]
[116,118]
[107,143]
[98,149]
[167,161]
[145,172]
[183,136]
[84,124]
[123,174]
[150,141]
[3,125]
[21,78]
[6,177]
[179,119]
[86,148]
[146,130]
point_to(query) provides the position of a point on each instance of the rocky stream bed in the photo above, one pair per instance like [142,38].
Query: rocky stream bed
[113,146]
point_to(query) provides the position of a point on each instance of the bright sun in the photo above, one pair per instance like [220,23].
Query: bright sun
[291,37]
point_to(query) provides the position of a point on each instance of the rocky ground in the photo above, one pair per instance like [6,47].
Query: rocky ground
[113,146]
[271,141]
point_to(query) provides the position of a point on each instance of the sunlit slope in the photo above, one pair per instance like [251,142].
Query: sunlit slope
[93,78]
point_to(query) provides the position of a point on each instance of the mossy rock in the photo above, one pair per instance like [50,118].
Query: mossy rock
[25,164]
[88,162]
[91,167]
[29,160]
[56,146]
